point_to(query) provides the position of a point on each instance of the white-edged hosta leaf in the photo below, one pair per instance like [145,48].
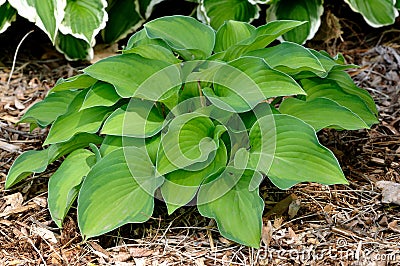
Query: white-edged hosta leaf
[216,12]
[146,7]
[64,183]
[46,111]
[234,209]
[377,13]
[110,196]
[100,94]
[295,152]
[84,19]
[152,51]
[73,48]
[47,15]
[185,35]
[181,186]
[321,113]
[231,33]
[81,81]
[290,58]
[301,10]
[36,161]
[7,15]
[140,119]
[325,88]
[123,19]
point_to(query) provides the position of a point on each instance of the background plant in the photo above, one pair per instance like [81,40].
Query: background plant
[189,114]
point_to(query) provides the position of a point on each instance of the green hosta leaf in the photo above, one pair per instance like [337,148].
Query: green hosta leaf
[189,140]
[329,63]
[321,113]
[45,112]
[397,4]
[73,48]
[320,88]
[231,33]
[7,15]
[262,37]
[302,10]
[296,155]
[127,72]
[181,186]
[84,19]
[185,35]
[111,143]
[81,81]
[216,12]
[147,6]
[64,183]
[237,211]
[36,161]
[290,58]
[140,119]
[153,51]
[123,19]
[100,94]
[376,13]
[141,38]
[110,196]
[47,15]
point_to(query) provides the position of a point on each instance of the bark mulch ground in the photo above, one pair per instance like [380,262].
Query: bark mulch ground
[310,224]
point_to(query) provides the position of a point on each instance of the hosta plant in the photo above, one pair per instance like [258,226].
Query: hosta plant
[192,116]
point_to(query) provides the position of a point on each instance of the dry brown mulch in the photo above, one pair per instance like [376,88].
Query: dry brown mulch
[310,224]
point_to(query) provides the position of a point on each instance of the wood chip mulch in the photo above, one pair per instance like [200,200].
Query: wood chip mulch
[310,224]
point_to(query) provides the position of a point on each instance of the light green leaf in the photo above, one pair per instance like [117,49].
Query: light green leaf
[84,19]
[140,119]
[322,88]
[81,81]
[100,94]
[185,35]
[7,15]
[123,19]
[64,183]
[111,143]
[47,15]
[45,112]
[231,33]
[290,58]
[321,113]
[302,10]
[111,197]
[181,186]
[140,38]
[73,48]
[237,211]
[295,154]
[153,51]
[36,161]
[216,12]
[377,13]
[127,72]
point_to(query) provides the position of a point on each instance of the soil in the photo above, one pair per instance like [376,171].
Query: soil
[310,224]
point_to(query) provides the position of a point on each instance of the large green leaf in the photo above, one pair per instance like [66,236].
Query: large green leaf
[321,113]
[47,15]
[73,48]
[64,183]
[81,81]
[140,119]
[153,51]
[302,10]
[376,13]
[185,35]
[123,19]
[100,94]
[237,210]
[295,154]
[84,19]
[290,58]
[181,186]
[140,38]
[7,15]
[231,33]
[110,196]
[216,12]
[36,161]
[127,72]
[325,88]
[45,112]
